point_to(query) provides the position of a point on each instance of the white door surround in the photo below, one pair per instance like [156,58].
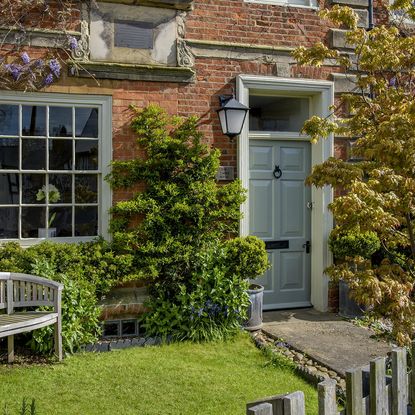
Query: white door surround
[321,94]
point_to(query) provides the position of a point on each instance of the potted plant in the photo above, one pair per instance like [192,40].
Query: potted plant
[248,258]
[53,196]
[347,247]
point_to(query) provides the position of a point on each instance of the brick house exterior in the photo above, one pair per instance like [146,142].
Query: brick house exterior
[213,48]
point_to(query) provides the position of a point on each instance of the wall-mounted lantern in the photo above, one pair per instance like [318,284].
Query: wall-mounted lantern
[232,115]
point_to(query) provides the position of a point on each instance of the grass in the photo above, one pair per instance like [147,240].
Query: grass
[214,378]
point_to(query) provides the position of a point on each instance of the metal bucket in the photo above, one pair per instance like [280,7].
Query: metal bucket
[256,295]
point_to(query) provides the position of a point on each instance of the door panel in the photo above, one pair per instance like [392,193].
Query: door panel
[278,212]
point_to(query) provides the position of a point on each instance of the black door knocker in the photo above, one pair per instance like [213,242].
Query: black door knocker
[277,172]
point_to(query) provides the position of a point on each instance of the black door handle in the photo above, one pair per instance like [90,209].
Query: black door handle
[277,172]
[307,247]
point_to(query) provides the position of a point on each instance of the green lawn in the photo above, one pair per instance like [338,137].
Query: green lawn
[214,378]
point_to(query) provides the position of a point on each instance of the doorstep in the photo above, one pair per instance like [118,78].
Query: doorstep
[325,337]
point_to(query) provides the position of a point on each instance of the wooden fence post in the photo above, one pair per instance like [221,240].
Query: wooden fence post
[294,404]
[354,392]
[327,403]
[378,399]
[399,382]
[261,409]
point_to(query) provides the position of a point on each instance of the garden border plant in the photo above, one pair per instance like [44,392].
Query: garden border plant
[178,229]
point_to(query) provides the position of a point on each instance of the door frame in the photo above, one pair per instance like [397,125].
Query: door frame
[321,94]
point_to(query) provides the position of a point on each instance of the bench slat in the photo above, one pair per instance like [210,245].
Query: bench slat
[21,320]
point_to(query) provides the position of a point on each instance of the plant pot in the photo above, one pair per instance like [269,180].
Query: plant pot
[347,306]
[256,295]
[43,232]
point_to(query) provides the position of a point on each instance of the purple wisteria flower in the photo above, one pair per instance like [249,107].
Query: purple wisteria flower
[39,63]
[14,69]
[25,58]
[73,43]
[55,67]
[48,80]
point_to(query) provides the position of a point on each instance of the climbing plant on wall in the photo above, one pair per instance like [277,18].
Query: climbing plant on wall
[38,38]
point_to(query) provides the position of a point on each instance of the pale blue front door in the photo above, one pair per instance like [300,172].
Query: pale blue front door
[280,214]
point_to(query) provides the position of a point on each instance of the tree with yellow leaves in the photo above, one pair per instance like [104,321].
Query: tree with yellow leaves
[379,191]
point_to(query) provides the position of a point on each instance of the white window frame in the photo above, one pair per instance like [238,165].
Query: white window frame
[313,4]
[104,104]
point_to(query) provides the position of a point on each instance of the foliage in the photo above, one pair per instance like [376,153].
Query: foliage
[352,244]
[246,257]
[176,228]
[211,306]
[26,409]
[378,194]
[43,66]
[87,270]
[212,378]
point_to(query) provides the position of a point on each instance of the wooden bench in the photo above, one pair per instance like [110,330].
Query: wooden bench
[26,291]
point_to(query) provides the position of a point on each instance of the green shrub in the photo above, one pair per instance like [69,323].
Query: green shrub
[246,257]
[171,226]
[87,270]
[353,244]
[211,306]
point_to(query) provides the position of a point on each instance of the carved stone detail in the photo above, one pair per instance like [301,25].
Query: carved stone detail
[185,57]
[81,52]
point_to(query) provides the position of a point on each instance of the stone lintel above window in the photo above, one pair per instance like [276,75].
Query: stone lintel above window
[172,4]
[105,70]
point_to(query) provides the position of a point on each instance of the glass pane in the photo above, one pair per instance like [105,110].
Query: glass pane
[63,185]
[9,120]
[86,155]
[33,154]
[9,153]
[60,154]
[277,113]
[60,221]
[34,188]
[9,222]
[86,188]
[86,122]
[33,222]
[9,189]
[60,122]
[86,221]
[33,120]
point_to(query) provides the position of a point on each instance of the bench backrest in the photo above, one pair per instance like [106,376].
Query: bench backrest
[23,290]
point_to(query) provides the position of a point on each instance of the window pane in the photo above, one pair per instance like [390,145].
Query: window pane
[86,221]
[9,153]
[60,122]
[9,189]
[63,184]
[277,113]
[9,222]
[33,154]
[33,222]
[60,220]
[9,120]
[86,155]
[34,188]
[33,120]
[86,122]
[86,188]
[60,154]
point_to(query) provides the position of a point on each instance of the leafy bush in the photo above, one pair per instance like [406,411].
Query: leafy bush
[173,226]
[87,270]
[246,257]
[352,244]
[211,306]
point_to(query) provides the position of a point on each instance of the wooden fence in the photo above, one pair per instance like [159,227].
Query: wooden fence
[369,391]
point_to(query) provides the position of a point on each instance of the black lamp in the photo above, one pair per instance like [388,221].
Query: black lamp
[232,116]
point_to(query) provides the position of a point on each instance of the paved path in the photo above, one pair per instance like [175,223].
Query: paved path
[325,337]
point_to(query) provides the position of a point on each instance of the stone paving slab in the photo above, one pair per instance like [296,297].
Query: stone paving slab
[325,337]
